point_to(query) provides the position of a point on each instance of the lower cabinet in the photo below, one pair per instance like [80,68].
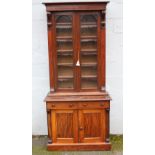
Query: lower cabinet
[78,124]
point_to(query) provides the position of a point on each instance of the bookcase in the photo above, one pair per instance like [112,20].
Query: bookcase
[78,104]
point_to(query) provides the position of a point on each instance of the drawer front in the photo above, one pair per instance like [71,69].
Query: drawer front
[94,105]
[62,105]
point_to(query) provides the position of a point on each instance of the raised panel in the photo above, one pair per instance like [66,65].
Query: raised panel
[64,126]
[92,126]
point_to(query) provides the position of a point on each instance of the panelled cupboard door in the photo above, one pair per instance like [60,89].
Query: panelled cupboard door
[91,126]
[64,126]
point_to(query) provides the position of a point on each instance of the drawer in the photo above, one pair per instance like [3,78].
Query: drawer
[94,105]
[62,105]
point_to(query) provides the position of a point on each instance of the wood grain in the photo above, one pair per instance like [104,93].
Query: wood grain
[78,114]
[79,147]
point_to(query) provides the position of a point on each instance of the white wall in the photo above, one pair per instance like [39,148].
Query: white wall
[40,68]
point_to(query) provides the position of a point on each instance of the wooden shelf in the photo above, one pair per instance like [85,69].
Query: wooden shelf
[65,53]
[64,40]
[88,23]
[89,76]
[88,40]
[64,37]
[88,37]
[88,50]
[65,64]
[65,77]
[65,50]
[89,26]
[89,64]
[89,53]
[63,26]
[63,23]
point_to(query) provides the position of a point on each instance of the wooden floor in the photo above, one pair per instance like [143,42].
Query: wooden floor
[39,147]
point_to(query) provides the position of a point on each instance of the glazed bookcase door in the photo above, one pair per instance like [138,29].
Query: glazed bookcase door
[89,50]
[65,51]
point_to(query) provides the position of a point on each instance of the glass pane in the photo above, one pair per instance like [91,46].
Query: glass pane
[65,71]
[64,52]
[88,18]
[65,83]
[62,59]
[63,31]
[87,59]
[88,30]
[63,19]
[64,45]
[89,72]
[88,56]
[89,84]
[87,44]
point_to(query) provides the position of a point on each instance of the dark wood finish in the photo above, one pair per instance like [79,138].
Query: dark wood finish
[64,126]
[79,147]
[102,53]
[49,126]
[76,6]
[91,125]
[77,104]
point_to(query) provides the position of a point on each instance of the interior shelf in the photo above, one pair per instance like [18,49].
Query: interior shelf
[58,23]
[88,40]
[63,26]
[89,64]
[88,26]
[64,50]
[65,53]
[64,40]
[65,64]
[89,76]
[65,77]
[88,23]
[64,37]
[88,50]
[89,37]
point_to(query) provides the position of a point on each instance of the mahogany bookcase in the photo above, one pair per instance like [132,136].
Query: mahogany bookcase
[77,104]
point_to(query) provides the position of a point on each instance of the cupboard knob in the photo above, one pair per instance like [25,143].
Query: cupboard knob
[53,105]
[71,105]
[85,104]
